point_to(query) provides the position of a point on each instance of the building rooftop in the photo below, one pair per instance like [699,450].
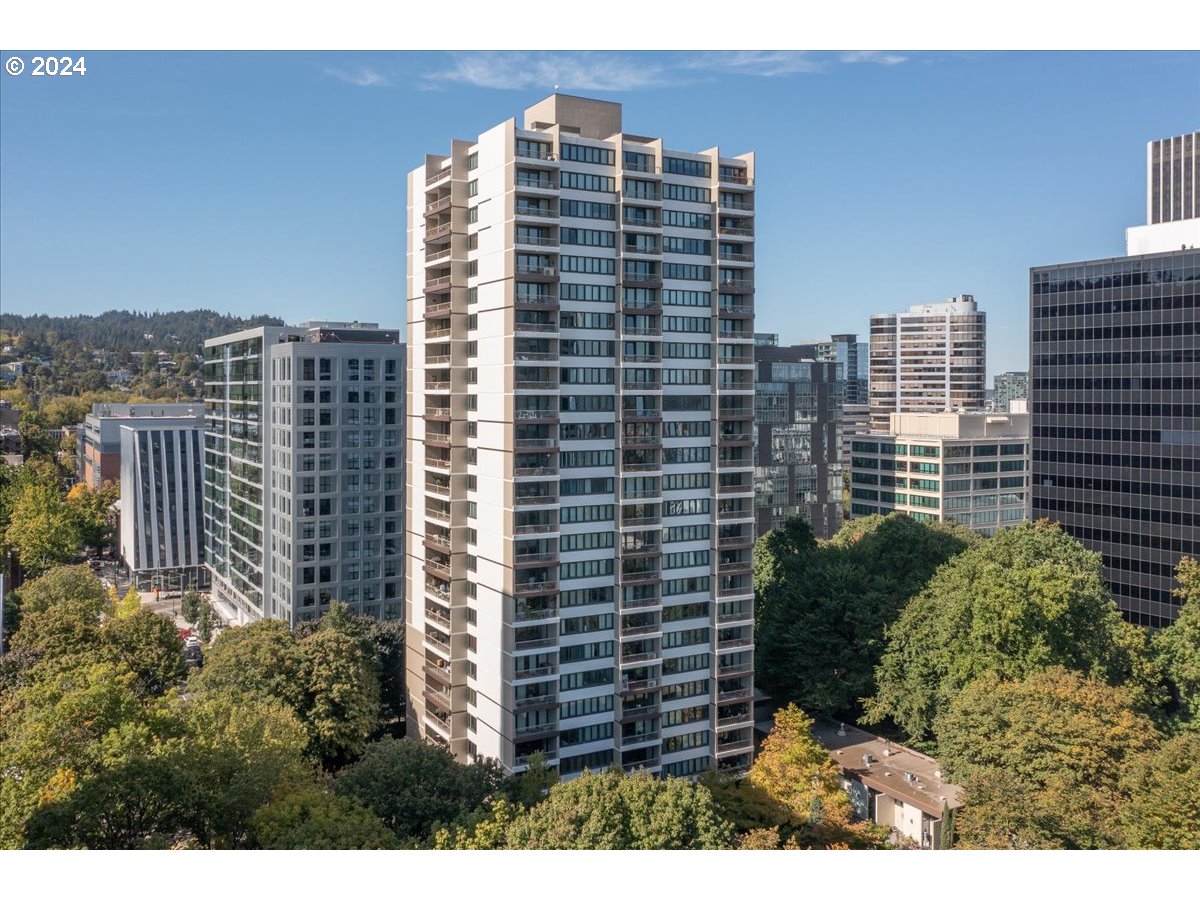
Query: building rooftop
[960,425]
[888,767]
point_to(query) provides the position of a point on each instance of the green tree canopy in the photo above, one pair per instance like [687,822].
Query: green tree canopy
[822,609]
[1161,797]
[90,509]
[309,817]
[261,659]
[415,787]
[149,646]
[1064,735]
[73,586]
[341,699]
[1177,650]
[614,811]
[42,527]
[1028,598]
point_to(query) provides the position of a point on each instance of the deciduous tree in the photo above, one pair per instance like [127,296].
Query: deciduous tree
[1161,797]
[42,528]
[309,817]
[1177,650]
[614,811]
[1026,599]
[1064,735]
[415,787]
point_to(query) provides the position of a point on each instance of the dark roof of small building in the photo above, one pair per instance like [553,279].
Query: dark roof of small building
[882,764]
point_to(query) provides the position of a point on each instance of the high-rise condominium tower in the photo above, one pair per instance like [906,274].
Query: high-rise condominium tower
[929,359]
[1115,378]
[303,470]
[582,512]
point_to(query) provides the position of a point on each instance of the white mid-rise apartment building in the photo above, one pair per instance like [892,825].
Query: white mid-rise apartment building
[929,359]
[303,471]
[972,468]
[581,520]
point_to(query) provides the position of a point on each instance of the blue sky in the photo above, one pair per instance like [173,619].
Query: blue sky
[274,182]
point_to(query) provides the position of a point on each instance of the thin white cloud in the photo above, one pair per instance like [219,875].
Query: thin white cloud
[600,71]
[763,63]
[361,76]
[569,71]
[881,57]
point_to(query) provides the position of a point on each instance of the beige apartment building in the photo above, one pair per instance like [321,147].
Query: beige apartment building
[929,359]
[579,467]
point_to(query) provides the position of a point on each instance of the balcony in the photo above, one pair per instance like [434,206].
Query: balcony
[650,223]
[541,156]
[435,439]
[728,670]
[438,309]
[640,631]
[541,729]
[725,176]
[640,306]
[438,232]
[437,176]
[742,693]
[540,302]
[523,613]
[437,285]
[528,240]
[726,202]
[735,311]
[437,414]
[432,209]
[536,528]
[735,257]
[537,273]
[728,747]
[541,499]
[734,512]
[528,384]
[535,443]
[636,686]
[531,588]
[641,280]
[525,758]
[438,258]
[735,439]
[525,182]
[537,702]
[540,672]
[734,231]
[535,212]
[736,286]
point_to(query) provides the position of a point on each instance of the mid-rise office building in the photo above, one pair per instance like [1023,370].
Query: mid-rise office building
[798,401]
[99,438]
[303,470]
[929,359]
[581,425]
[1007,387]
[162,486]
[1115,356]
[971,468]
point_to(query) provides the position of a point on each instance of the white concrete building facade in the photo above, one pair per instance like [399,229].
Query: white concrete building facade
[580,426]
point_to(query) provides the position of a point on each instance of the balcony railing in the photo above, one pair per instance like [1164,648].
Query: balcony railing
[437,176]
[535,587]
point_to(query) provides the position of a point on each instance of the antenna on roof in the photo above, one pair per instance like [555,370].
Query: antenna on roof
[556,88]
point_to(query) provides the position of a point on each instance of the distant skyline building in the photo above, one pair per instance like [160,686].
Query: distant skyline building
[971,468]
[1009,386]
[304,470]
[798,403]
[162,491]
[1115,380]
[1172,198]
[853,356]
[581,521]
[932,358]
